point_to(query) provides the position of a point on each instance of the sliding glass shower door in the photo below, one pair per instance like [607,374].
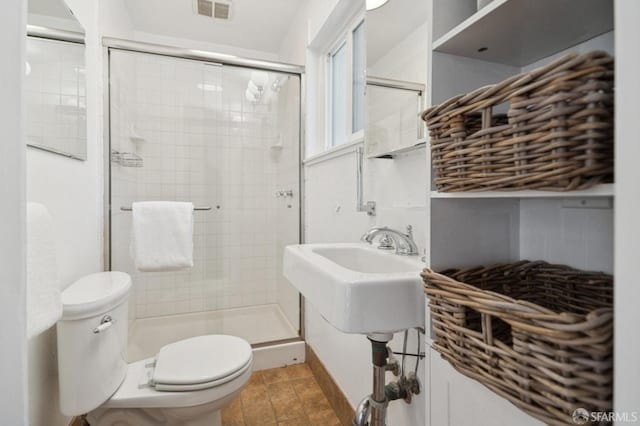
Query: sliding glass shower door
[222,137]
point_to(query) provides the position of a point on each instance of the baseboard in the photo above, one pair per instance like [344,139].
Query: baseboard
[336,397]
[279,355]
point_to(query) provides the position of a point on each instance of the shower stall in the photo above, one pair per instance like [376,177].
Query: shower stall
[227,138]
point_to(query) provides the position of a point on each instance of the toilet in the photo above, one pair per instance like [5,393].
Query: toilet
[186,383]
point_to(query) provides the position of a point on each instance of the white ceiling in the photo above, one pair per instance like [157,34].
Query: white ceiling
[254,24]
[390,24]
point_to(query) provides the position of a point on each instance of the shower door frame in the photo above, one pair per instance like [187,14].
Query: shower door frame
[209,57]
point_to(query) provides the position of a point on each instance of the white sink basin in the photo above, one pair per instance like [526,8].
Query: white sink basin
[358,288]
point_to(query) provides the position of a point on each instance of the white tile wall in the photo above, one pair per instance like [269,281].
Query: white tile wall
[55,96]
[201,140]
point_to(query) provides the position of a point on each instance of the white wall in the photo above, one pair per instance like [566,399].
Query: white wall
[330,216]
[294,44]
[318,13]
[397,187]
[72,190]
[13,398]
[407,60]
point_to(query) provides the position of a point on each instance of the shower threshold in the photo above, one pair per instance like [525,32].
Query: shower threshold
[256,324]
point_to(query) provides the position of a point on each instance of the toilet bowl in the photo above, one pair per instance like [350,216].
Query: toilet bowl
[186,383]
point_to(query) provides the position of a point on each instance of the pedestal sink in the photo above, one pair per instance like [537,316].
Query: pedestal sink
[358,288]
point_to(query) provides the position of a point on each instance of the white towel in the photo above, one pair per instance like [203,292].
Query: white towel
[44,304]
[162,235]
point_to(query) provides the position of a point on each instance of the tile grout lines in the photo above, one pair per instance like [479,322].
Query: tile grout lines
[287,396]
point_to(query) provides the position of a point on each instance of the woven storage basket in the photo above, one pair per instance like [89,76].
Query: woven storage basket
[557,134]
[538,334]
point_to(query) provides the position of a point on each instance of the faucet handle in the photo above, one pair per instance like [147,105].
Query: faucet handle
[368,236]
[386,242]
[410,231]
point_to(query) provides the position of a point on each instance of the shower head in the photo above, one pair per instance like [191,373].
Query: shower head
[278,83]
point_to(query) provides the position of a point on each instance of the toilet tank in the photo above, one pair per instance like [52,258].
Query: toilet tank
[92,341]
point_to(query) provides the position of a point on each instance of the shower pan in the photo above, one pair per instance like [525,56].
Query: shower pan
[226,138]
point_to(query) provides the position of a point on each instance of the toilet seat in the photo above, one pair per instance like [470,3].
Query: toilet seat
[200,363]
[140,391]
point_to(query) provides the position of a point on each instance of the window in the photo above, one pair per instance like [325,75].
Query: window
[345,86]
[338,96]
[357,81]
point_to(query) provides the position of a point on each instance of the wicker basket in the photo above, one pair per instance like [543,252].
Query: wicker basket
[540,335]
[557,133]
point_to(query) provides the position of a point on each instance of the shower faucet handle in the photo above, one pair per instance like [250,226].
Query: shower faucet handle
[284,193]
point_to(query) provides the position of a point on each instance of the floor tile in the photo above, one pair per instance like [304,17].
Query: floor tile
[253,391]
[232,414]
[288,396]
[304,387]
[323,418]
[275,375]
[287,408]
[281,389]
[295,422]
[256,379]
[258,412]
[299,371]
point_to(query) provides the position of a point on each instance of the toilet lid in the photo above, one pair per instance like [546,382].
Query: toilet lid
[201,360]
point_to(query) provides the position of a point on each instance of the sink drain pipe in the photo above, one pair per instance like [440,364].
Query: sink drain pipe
[372,410]
[379,400]
[374,406]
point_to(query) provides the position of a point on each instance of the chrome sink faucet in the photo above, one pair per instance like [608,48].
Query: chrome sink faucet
[404,244]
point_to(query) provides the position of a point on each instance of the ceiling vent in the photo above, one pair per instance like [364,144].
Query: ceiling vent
[219,9]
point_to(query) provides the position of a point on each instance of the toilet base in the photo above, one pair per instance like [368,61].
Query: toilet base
[199,415]
[133,405]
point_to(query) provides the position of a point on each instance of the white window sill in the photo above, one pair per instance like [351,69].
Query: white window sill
[338,151]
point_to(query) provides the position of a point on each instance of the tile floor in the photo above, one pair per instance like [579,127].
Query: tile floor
[287,396]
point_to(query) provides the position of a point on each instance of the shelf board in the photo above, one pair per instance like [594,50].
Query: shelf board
[603,190]
[520,32]
[422,143]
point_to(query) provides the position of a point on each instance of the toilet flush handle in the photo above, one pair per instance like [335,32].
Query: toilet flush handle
[105,323]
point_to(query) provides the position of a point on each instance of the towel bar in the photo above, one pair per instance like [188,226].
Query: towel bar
[128,209]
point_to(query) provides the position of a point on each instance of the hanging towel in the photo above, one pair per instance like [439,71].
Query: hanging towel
[44,304]
[162,235]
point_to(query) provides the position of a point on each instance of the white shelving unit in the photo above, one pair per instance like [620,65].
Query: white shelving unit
[392,154]
[604,190]
[519,32]
[475,228]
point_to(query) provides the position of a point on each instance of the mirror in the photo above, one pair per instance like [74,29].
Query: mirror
[396,72]
[55,93]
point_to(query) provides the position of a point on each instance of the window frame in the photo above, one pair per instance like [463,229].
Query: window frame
[358,134]
[345,39]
